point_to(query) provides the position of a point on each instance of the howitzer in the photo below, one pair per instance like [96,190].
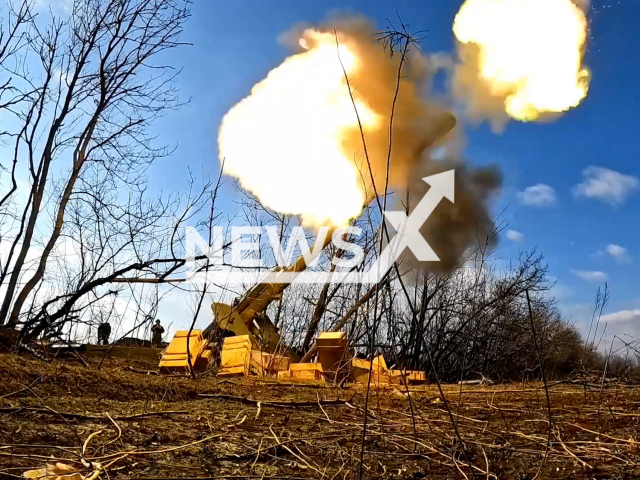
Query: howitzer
[247,316]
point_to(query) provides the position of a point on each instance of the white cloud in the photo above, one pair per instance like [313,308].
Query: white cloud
[622,316]
[623,324]
[619,253]
[514,236]
[606,185]
[592,276]
[539,195]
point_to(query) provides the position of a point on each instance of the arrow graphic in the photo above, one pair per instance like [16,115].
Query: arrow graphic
[408,227]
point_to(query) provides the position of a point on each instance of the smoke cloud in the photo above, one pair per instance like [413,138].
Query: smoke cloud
[454,228]
[420,126]
[417,123]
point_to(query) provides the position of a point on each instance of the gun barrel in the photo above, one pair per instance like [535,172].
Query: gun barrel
[258,298]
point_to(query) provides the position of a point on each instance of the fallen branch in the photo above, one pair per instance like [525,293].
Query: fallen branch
[277,477]
[248,401]
[480,381]
[143,372]
[152,372]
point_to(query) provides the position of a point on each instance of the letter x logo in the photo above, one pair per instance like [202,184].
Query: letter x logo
[408,227]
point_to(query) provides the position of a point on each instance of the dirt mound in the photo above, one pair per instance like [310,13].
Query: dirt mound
[112,381]
[146,426]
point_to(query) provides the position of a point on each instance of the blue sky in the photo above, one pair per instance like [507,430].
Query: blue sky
[235,45]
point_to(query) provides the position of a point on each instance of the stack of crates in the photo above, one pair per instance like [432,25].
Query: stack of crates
[333,354]
[379,372]
[264,363]
[416,377]
[175,359]
[236,356]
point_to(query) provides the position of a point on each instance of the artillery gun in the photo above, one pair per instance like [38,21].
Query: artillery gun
[247,316]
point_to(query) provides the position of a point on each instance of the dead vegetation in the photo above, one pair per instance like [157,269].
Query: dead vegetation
[133,425]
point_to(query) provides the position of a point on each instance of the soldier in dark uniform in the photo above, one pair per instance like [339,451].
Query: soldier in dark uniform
[104,331]
[156,334]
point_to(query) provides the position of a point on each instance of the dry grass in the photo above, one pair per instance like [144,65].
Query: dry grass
[53,410]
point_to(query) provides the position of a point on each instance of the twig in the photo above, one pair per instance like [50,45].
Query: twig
[164,450]
[292,452]
[276,477]
[582,462]
[117,426]
[143,372]
[86,443]
[248,401]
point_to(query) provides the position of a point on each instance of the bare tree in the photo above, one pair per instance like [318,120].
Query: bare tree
[101,87]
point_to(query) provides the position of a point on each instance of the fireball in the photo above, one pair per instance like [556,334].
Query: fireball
[284,142]
[530,52]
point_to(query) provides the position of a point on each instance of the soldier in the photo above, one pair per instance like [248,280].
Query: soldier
[156,334]
[104,331]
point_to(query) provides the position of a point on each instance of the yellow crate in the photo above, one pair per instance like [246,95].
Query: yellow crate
[333,354]
[235,356]
[306,372]
[175,358]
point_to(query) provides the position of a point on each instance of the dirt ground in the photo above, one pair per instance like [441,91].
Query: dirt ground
[115,423]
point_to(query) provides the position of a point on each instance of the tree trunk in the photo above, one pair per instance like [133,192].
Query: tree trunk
[42,264]
[26,243]
[41,181]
